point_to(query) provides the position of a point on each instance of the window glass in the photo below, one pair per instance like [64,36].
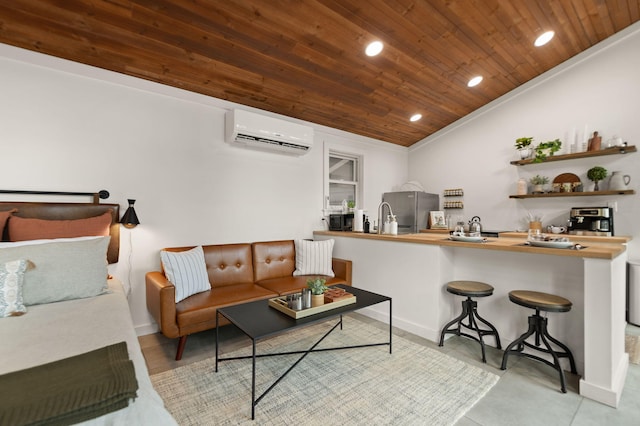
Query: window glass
[339,192]
[341,169]
[343,179]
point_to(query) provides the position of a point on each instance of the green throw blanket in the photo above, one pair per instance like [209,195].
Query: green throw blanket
[69,391]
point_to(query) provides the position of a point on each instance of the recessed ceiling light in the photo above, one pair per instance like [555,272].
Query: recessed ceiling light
[474,81]
[415,117]
[374,48]
[544,38]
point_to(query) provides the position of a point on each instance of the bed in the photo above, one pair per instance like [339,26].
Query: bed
[71,269]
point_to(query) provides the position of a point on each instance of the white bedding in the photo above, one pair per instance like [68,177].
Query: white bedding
[59,330]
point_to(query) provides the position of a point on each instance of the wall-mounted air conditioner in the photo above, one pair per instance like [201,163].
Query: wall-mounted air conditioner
[257,131]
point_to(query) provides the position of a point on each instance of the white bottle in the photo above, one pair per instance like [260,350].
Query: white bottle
[393,226]
[522,187]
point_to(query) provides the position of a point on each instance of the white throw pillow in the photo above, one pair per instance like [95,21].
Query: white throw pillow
[187,271]
[62,269]
[314,258]
[11,279]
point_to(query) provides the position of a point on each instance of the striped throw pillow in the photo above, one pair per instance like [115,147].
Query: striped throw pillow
[314,258]
[187,271]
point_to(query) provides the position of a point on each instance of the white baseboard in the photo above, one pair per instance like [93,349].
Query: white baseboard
[143,330]
[610,397]
[433,335]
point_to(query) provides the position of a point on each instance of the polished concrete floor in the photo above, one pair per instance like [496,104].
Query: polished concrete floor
[528,392]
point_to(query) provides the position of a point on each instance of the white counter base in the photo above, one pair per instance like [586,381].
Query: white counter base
[415,275]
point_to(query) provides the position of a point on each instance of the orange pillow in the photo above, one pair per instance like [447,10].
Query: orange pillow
[23,229]
[3,219]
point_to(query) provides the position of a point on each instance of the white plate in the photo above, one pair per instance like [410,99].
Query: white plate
[467,239]
[551,244]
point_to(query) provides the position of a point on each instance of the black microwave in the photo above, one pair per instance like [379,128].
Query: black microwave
[341,222]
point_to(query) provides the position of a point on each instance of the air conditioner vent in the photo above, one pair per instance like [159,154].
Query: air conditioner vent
[256,131]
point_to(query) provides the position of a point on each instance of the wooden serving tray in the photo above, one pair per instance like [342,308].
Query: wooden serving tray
[280,303]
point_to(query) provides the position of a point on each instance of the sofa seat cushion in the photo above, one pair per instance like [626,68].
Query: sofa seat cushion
[288,285]
[201,307]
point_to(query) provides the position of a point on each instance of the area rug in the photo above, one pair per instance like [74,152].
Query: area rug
[413,385]
[632,347]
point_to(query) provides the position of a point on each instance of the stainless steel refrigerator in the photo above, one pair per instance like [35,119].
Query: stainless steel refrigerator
[411,209]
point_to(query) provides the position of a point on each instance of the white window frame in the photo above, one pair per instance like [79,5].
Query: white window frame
[358,183]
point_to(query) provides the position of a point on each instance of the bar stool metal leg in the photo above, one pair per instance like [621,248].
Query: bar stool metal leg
[470,313]
[538,328]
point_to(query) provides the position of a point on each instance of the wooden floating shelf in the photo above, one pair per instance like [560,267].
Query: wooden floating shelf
[609,151]
[575,194]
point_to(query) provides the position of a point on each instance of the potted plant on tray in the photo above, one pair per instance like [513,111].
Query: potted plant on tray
[545,149]
[523,145]
[317,287]
[537,181]
[597,174]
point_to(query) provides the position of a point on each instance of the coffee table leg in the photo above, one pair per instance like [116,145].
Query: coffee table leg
[217,338]
[253,381]
[390,328]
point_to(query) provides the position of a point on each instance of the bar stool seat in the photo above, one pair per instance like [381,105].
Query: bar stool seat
[470,289]
[538,328]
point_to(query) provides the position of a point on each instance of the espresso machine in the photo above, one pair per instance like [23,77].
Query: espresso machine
[591,221]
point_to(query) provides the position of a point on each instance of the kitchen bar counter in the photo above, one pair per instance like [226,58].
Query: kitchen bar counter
[594,249]
[413,269]
[577,238]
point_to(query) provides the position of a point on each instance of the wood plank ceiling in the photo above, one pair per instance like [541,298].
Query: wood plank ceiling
[305,58]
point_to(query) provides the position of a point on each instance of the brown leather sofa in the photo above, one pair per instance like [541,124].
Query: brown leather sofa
[238,273]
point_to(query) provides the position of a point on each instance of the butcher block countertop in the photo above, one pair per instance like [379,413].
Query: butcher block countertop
[593,249]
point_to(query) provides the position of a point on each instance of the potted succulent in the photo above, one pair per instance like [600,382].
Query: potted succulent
[545,149]
[596,174]
[537,181]
[317,287]
[523,145]
[351,205]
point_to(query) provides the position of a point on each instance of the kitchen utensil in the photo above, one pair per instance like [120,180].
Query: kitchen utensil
[475,227]
[467,239]
[534,234]
[566,178]
[556,229]
[618,181]
[459,229]
[551,244]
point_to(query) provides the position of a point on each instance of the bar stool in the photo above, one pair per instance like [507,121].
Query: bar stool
[538,328]
[470,289]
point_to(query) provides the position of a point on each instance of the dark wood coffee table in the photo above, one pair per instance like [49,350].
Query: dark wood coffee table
[259,321]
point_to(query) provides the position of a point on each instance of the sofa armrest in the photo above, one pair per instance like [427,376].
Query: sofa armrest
[161,303]
[342,269]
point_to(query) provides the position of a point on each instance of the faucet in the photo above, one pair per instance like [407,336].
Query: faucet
[380,209]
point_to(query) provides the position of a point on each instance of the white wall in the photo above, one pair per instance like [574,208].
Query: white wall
[599,88]
[70,127]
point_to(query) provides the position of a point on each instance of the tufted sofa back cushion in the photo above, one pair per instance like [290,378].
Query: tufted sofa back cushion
[273,259]
[226,263]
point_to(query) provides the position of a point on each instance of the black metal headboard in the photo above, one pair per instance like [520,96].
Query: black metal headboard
[68,211]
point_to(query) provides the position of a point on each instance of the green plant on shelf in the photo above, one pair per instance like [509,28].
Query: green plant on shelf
[351,204]
[596,174]
[545,149]
[539,180]
[523,142]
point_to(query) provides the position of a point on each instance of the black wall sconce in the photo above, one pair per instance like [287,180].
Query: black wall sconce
[130,218]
